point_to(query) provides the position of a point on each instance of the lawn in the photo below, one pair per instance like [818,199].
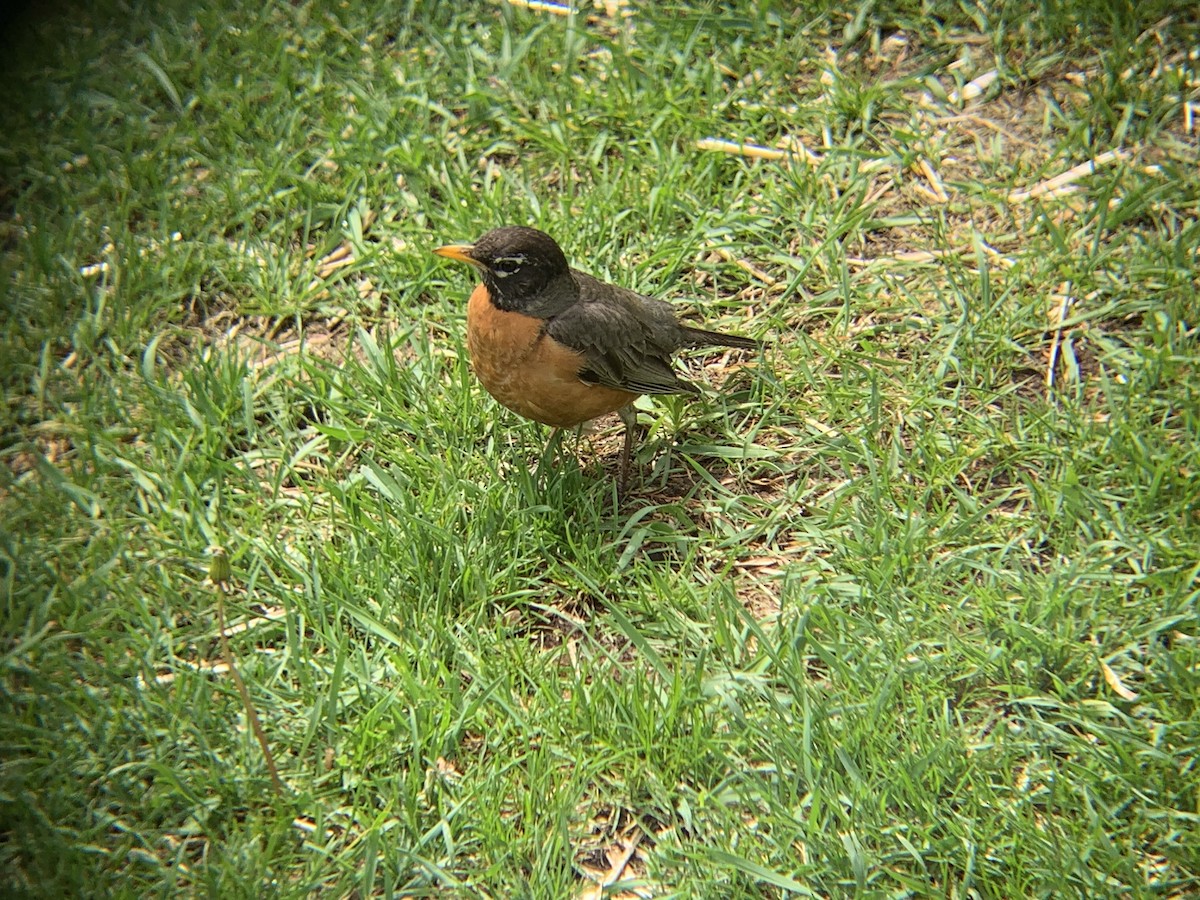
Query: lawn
[904,605]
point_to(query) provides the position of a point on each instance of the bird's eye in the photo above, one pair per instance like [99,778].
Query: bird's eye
[507,265]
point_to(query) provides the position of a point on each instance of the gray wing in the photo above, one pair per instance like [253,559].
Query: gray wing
[626,338]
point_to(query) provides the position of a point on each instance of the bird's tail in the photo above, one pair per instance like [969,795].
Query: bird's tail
[698,337]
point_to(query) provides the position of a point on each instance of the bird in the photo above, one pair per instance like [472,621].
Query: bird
[558,346]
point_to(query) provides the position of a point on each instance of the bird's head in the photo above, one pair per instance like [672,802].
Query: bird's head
[517,264]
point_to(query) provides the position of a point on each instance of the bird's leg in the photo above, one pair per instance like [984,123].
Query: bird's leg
[629,417]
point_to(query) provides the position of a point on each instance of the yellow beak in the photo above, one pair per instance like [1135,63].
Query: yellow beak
[460,252]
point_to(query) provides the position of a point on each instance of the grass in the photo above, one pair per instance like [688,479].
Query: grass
[905,606]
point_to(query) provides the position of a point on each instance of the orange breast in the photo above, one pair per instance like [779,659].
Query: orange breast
[529,372]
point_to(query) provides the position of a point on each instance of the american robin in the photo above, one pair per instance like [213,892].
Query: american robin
[558,346]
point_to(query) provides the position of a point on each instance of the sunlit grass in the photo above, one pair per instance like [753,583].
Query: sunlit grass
[905,605]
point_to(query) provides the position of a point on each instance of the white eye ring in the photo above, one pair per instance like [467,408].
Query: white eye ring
[508,265]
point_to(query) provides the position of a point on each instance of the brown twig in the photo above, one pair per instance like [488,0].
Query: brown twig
[1063,309]
[973,89]
[1065,182]
[556,9]
[928,256]
[738,148]
[746,266]
[618,865]
[220,575]
[934,179]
